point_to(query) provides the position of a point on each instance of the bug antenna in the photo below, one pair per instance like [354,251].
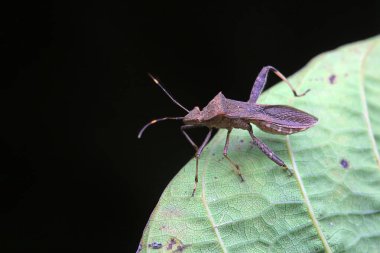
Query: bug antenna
[167,93]
[155,121]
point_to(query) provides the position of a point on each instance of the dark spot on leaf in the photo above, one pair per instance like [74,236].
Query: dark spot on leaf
[155,245]
[180,248]
[344,163]
[332,79]
[215,177]
[175,245]
[213,154]
[171,243]
[241,141]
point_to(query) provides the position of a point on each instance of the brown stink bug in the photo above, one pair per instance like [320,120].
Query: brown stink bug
[222,112]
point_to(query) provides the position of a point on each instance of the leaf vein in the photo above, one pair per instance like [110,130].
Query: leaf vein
[306,198]
[206,206]
[364,103]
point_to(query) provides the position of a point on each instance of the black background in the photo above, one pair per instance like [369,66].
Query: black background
[75,92]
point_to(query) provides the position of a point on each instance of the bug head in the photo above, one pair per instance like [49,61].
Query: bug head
[165,118]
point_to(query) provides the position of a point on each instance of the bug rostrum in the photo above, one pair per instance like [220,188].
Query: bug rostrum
[222,112]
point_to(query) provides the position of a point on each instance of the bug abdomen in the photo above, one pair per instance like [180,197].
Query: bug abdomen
[277,129]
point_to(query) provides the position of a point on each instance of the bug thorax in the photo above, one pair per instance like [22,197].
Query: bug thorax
[214,108]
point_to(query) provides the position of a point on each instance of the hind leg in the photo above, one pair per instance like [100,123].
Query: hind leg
[268,152]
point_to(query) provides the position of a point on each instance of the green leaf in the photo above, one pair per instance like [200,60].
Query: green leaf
[331,204]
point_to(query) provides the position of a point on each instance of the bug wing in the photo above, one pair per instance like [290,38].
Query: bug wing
[275,119]
[286,116]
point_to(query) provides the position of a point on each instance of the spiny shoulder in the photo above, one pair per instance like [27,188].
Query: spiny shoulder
[216,107]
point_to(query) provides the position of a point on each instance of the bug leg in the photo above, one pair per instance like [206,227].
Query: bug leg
[198,151]
[268,152]
[183,128]
[226,155]
[261,80]
[197,155]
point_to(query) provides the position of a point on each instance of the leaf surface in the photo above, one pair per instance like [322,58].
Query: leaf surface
[331,204]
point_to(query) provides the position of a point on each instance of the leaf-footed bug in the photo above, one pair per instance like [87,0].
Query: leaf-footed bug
[226,113]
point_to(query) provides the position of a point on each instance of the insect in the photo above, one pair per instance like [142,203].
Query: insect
[222,112]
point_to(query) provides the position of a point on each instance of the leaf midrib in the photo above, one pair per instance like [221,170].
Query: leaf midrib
[306,198]
[205,203]
[301,186]
[364,103]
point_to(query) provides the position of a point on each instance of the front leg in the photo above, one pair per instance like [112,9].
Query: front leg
[261,80]
[268,152]
[198,151]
